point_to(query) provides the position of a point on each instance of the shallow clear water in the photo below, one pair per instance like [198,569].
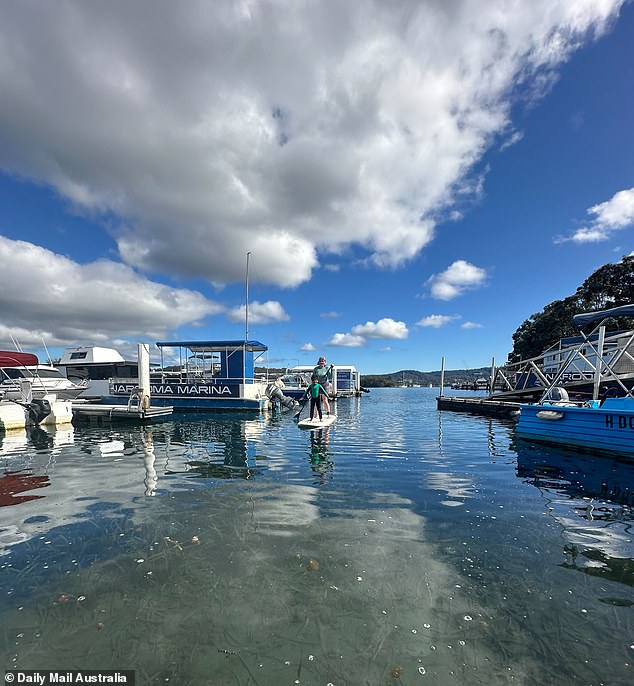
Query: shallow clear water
[403,545]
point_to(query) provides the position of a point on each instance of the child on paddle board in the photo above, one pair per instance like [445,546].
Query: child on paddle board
[314,392]
[324,377]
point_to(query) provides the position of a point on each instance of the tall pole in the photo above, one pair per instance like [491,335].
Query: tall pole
[442,376]
[246,305]
[599,364]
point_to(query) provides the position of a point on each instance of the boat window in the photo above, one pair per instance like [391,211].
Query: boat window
[49,374]
[79,355]
[15,373]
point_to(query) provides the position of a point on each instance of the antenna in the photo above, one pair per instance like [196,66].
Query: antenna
[246,306]
[16,344]
[47,352]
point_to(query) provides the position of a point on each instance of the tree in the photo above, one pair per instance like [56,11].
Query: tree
[610,286]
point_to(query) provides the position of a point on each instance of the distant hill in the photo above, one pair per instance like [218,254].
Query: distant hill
[412,377]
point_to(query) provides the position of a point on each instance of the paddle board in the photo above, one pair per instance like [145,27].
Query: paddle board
[317,423]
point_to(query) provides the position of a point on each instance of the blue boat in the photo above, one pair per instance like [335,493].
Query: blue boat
[604,424]
[209,375]
[606,427]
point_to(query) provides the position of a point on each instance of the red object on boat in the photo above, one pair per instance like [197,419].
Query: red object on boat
[9,358]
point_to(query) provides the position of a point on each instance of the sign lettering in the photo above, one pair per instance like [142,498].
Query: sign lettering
[182,390]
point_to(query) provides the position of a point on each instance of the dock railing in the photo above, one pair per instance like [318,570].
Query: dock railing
[581,368]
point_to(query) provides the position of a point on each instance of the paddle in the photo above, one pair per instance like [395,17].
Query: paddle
[296,415]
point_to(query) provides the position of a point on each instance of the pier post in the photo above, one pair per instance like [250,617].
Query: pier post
[143,351]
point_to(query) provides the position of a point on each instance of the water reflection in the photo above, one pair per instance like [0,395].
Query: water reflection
[576,474]
[13,483]
[234,529]
[221,449]
[592,500]
[320,460]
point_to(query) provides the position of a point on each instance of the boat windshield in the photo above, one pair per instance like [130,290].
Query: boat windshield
[47,374]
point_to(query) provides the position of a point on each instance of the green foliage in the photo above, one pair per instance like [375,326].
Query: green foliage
[610,286]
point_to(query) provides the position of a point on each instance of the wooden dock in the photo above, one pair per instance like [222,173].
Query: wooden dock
[479,405]
[88,411]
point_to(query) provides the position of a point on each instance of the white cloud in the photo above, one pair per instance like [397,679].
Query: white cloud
[330,315]
[91,303]
[384,328]
[347,340]
[308,348]
[514,138]
[609,216]
[437,320]
[616,213]
[471,325]
[292,130]
[259,313]
[456,279]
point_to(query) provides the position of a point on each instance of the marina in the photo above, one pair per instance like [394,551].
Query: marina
[438,546]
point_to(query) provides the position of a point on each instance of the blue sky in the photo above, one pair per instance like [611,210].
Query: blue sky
[411,179]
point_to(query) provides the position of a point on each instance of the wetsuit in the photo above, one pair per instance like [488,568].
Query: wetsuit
[314,392]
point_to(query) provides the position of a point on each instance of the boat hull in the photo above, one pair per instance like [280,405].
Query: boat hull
[607,429]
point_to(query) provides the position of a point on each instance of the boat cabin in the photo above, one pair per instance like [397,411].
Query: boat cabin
[96,365]
[346,380]
[203,375]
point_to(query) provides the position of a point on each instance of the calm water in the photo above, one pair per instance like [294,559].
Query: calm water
[401,546]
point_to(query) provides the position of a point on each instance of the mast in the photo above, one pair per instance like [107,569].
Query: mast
[246,325]
[246,305]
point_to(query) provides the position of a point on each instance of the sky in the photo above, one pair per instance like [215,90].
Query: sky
[410,180]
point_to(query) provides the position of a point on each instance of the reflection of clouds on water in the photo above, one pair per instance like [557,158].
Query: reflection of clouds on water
[279,512]
[459,488]
[104,466]
[282,593]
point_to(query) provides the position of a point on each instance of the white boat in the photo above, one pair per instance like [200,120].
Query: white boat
[346,380]
[93,366]
[18,368]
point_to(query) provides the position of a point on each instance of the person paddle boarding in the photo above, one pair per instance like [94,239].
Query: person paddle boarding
[324,377]
[315,392]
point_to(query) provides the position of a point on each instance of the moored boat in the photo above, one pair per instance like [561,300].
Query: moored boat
[18,368]
[205,375]
[606,427]
[93,366]
[604,424]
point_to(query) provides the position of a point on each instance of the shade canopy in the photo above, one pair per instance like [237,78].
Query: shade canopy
[210,346]
[580,320]
[9,358]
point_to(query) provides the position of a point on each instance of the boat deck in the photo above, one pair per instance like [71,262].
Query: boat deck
[479,405]
[91,411]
